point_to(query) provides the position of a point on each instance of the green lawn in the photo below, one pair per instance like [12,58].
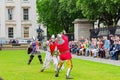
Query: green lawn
[13,66]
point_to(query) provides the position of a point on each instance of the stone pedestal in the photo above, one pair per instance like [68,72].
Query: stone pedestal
[82,28]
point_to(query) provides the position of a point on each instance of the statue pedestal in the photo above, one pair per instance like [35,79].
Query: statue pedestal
[82,28]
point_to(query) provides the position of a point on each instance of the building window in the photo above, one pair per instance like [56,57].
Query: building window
[25,14]
[9,0]
[10,14]
[10,32]
[26,32]
[25,0]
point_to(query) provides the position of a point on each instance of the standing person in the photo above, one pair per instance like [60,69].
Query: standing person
[0,46]
[51,56]
[35,50]
[65,55]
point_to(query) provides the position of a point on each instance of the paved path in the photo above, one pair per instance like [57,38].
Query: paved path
[100,60]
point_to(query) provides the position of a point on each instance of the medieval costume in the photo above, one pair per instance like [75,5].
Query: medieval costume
[34,49]
[52,55]
[65,55]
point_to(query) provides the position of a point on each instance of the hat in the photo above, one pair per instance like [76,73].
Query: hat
[53,36]
[59,36]
[33,38]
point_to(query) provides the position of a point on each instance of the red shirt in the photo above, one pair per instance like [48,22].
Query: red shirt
[64,46]
[52,46]
[64,49]
[101,46]
[37,44]
[82,46]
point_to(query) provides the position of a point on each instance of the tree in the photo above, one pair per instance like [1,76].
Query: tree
[106,11]
[47,12]
[68,12]
[58,15]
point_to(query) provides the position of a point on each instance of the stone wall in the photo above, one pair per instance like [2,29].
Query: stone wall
[82,28]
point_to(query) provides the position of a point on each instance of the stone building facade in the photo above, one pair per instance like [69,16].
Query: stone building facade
[18,19]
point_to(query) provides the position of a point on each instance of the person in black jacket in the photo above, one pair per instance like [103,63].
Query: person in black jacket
[114,50]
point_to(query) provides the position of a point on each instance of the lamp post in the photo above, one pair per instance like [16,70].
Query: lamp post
[40,36]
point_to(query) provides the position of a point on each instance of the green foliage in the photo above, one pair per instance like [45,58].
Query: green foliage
[47,11]
[13,66]
[68,12]
[106,11]
[58,15]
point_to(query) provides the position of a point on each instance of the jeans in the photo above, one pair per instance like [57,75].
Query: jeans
[113,55]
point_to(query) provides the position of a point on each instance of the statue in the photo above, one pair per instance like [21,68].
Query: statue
[40,36]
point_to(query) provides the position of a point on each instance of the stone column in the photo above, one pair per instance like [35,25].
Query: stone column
[2,14]
[18,28]
[82,28]
[33,18]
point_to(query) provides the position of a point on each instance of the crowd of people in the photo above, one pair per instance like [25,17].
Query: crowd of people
[107,47]
[61,50]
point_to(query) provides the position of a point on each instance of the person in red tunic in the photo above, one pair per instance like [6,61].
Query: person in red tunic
[65,55]
[50,55]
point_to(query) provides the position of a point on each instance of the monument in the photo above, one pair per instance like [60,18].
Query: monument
[82,28]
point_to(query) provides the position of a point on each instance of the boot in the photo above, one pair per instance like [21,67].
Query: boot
[68,77]
[31,58]
[57,72]
[42,70]
[40,59]
[58,68]
[68,73]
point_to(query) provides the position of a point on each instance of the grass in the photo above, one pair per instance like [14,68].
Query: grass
[13,66]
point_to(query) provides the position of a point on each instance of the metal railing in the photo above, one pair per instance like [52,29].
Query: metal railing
[104,31]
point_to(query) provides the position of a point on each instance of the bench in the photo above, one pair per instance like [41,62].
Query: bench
[14,46]
[119,55]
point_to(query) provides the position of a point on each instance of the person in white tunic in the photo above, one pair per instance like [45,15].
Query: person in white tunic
[51,55]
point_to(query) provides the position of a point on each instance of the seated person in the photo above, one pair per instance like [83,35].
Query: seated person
[114,50]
